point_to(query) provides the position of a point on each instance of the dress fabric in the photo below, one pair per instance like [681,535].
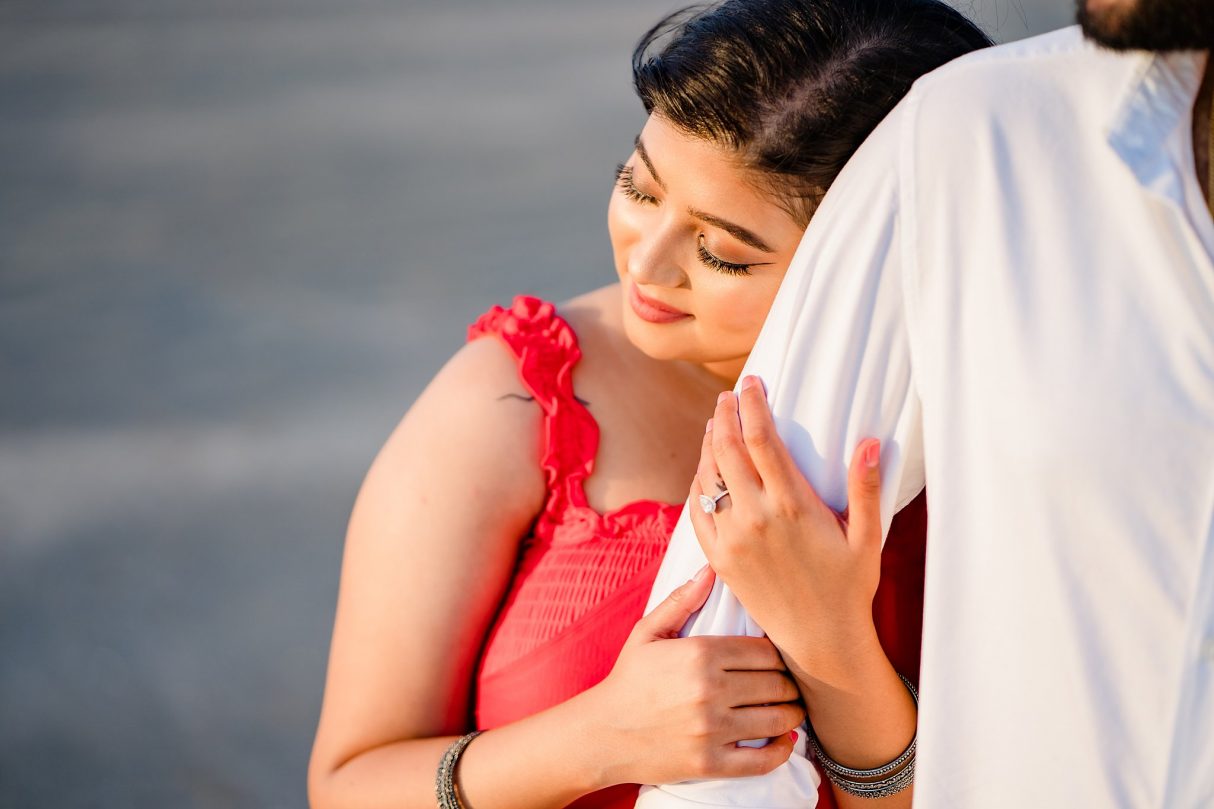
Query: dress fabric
[582,578]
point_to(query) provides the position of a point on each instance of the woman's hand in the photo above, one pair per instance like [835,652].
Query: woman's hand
[807,575]
[673,708]
[804,573]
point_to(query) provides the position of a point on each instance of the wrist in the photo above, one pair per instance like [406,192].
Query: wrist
[590,741]
[880,781]
[545,756]
[861,711]
[847,652]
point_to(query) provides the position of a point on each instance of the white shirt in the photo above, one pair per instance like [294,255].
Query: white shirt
[1011,284]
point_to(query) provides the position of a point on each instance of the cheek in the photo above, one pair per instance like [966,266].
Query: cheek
[737,307]
[621,228]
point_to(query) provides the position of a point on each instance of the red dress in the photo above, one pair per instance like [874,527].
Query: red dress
[582,578]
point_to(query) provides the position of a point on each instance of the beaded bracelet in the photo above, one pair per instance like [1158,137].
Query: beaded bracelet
[444,782]
[891,778]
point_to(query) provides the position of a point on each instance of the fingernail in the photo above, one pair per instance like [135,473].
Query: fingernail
[724,395]
[749,382]
[792,734]
[872,455]
[701,573]
[708,426]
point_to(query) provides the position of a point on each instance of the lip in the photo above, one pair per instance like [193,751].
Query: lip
[649,310]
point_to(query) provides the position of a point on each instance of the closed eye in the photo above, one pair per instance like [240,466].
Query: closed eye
[720,265]
[624,181]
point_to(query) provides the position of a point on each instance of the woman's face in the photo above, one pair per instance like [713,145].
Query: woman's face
[699,250]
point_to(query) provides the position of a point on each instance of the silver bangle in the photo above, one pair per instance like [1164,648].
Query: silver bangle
[445,790]
[878,782]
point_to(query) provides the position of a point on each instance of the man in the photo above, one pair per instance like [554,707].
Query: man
[1011,284]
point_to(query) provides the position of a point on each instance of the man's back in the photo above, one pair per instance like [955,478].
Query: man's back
[1059,299]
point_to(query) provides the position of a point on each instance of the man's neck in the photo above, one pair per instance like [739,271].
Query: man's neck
[1202,130]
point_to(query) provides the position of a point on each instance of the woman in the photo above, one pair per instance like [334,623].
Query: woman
[488,585]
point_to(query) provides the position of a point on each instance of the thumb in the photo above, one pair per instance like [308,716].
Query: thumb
[864,495]
[667,618]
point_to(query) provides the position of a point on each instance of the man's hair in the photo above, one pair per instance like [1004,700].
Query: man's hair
[1153,25]
[793,87]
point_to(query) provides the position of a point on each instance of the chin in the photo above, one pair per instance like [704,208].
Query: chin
[1154,25]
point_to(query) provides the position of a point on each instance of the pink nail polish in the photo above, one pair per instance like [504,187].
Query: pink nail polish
[749,382]
[872,455]
[792,734]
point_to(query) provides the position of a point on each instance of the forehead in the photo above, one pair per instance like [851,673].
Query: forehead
[681,156]
[705,174]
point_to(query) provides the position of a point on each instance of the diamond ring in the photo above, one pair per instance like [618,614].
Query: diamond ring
[709,504]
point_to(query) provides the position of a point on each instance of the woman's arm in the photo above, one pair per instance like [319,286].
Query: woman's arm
[808,578]
[430,549]
[426,563]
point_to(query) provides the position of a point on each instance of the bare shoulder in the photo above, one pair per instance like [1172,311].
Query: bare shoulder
[596,310]
[474,427]
[596,319]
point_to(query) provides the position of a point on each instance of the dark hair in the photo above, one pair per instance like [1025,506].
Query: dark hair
[794,86]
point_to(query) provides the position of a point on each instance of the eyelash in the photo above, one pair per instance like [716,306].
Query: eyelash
[623,179]
[727,267]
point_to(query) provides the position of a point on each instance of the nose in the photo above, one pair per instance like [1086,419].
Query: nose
[655,258]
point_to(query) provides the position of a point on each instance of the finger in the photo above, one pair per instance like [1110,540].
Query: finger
[667,618]
[701,521]
[764,721]
[746,688]
[707,472]
[740,652]
[767,450]
[729,451]
[738,762]
[864,495]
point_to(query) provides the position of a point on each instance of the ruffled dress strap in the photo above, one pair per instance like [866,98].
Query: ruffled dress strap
[546,349]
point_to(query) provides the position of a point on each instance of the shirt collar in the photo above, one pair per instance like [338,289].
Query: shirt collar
[1157,99]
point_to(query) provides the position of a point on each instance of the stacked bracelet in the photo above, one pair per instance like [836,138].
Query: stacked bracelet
[879,782]
[444,783]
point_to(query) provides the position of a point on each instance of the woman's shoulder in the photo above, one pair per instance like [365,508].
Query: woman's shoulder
[595,311]
[596,318]
[592,314]
[474,427]
[585,330]
[479,413]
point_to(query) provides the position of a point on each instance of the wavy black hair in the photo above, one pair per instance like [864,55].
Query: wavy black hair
[793,87]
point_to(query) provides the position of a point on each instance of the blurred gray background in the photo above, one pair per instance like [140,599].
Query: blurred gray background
[236,239]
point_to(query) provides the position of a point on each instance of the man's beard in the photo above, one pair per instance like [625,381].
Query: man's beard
[1155,25]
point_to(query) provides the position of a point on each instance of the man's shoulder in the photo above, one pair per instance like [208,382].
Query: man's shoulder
[1018,103]
[1062,43]
[1014,85]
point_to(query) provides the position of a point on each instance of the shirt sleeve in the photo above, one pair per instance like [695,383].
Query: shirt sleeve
[835,357]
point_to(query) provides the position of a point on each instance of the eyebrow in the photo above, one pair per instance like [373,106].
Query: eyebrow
[640,147]
[737,231]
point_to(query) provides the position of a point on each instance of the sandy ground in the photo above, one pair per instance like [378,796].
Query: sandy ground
[235,241]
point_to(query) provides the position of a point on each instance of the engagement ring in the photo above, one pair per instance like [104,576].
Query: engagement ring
[709,504]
